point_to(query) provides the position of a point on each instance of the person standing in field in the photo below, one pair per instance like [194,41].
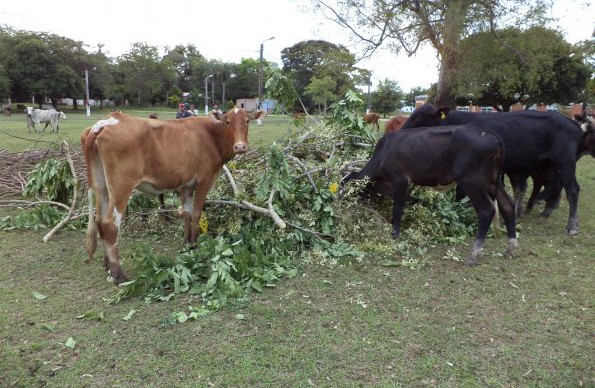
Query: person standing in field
[182,112]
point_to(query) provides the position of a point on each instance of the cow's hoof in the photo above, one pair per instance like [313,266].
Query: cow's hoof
[121,278]
[572,227]
[571,231]
[470,262]
[511,248]
[545,213]
[117,278]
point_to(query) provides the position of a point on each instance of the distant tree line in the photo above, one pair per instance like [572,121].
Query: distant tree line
[531,65]
[42,65]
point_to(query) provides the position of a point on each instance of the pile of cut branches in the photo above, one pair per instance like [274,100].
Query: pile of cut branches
[15,167]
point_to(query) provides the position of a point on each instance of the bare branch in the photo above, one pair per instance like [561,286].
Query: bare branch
[21,202]
[303,167]
[74,197]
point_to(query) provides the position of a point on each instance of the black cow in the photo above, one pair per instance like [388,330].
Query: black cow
[433,157]
[548,176]
[532,141]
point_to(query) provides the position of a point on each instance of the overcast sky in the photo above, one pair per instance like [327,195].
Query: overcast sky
[231,30]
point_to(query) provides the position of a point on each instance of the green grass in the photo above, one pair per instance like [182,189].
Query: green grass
[525,322]
[14,135]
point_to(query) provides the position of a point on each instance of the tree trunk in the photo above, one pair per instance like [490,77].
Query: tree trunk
[448,49]
[445,93]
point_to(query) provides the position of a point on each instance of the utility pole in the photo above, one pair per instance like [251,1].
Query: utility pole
[87,92]
[207,94]
[260,75]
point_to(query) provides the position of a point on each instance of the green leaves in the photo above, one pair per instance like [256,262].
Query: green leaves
[217,269]
[41,217]
[38,295]
[129,315]
[51,178]
[70,343]
[92,315]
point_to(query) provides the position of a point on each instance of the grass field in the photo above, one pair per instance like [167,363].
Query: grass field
[14,135]
[526,322]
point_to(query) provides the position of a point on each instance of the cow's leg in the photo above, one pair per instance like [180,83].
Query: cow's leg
[46,125]
[201,190]
[112,211]
[186,195]
[538,183]
[399,194]
[506,208]
[551,193]
[110,229]
[101,199]
[484,207]
[165,213]
[519,188]
[91,241]
[572,190]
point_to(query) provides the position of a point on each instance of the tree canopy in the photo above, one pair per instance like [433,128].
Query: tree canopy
[311,59]
[387,97]
[533,66]
[407,25]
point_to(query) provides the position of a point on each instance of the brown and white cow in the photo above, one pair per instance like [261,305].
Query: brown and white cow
[155,156]
[394,124]
[372,118]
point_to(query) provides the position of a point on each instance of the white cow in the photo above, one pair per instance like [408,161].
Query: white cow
[47,116]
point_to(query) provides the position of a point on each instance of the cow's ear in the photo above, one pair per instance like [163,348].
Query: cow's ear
[257,114]
[443,112]
[215,115]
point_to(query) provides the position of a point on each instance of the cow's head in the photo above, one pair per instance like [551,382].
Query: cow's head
[394,124]
[61,116]
[587,125]
[236,121]
[29,111]
[426,116]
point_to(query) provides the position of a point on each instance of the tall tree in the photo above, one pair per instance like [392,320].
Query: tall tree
[322,91]
[140,69]
[317,58]
[387,97]
[4,83]
[190,66]
[245,83]
[101,78]
[30,80]
[546,68]
[6,43]
[407,25]
[44,65]
[587,47]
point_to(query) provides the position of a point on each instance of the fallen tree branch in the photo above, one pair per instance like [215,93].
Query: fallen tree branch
[74,197]
[306,172]
[12,202]
[273,213]
[247,205]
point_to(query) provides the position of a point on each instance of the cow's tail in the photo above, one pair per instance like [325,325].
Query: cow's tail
[503,203]
[89,150]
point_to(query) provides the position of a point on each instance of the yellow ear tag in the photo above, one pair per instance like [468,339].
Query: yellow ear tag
[442,115]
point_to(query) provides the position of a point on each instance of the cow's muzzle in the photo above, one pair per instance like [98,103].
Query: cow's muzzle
[240,147]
